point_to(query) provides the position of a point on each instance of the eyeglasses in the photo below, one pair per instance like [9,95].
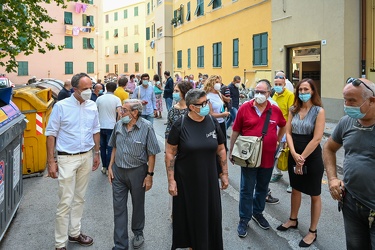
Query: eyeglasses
[260,92]
[124,110]
[203,104]
[356,82]
[279,77]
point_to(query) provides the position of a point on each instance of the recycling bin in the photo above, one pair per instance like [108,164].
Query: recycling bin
[36,104]
[12,125]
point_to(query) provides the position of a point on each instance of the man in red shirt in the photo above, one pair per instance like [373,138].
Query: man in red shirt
[249,122]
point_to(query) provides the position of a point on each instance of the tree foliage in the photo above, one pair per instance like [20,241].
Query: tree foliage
[22,31]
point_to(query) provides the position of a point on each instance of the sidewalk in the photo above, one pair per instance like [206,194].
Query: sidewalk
[330,126]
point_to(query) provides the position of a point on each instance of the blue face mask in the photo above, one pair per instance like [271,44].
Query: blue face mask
[126,119]
[204,111]
[145,82]
[278,89]
[176,97]
[304,97]
[100,92]
[354,112]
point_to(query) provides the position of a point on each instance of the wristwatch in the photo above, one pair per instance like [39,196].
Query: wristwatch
[150,173]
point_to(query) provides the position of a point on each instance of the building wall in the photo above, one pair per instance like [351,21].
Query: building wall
[335,21]
[370,39]
[233,20]
[130,38]
[52,63]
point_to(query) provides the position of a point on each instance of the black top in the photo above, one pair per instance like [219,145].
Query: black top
[64,93]
[168,89]
[234,95]
[94,96]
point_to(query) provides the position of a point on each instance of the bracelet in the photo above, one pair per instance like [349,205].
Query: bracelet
[97,152]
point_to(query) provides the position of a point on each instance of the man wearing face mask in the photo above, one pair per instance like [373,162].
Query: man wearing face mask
[145,93]
[250,120]
[235,97]
[355,192]
[284,99]
[73,130]
[98,91]
[131,169]
[168,90]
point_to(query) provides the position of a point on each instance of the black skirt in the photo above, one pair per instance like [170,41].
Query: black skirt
[310,183]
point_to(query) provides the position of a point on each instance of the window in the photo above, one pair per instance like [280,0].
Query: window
[136,47]
[148,62]
[126,68]
[107,68]
[179,59]
[200,57]
[88,43]
[160,32]
[148,33]
[90,1]
[179,15]
[215,4]
[216,51]
[126,50]
[68,42]
[90,67]
[107,51]
[135,11]
[136,32]
[106,18]
[115,16]
[152,5]
[153,31]
[200,8]
[126,31]
[115,33]
[125,14]
[23,68]
[115,51]
[136,67]
[68,68]
[189,58]
[188,12]
[148,8]
[152,62]
[260,49]
[107,35]
[87,20]
[68,18]
[235,52]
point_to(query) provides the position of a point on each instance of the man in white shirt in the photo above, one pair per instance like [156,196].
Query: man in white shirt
[73,130]
[108,106]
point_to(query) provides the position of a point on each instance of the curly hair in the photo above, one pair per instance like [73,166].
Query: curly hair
[210,82]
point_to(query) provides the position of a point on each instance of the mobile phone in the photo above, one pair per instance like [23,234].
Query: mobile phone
[304,169]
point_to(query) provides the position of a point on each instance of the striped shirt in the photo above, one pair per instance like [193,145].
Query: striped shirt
[133,147]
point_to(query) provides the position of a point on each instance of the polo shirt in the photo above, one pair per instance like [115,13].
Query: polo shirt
[121,93]
[249,123]
[284,100]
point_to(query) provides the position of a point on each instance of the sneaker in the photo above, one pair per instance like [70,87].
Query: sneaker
[242,228]
[138,241]
[276,177]
[272,200]
[289,189]
[262,222]
[104,170]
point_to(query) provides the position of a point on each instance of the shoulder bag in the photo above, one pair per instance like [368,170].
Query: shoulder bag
[247,150]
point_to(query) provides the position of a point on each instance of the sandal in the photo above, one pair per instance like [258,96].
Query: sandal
[304,244]
[282,228]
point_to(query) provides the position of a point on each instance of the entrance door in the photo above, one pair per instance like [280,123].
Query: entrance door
[160,70]
[116,69]
[305,63]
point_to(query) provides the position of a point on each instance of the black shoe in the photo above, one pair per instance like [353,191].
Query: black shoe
[261,221]
[272,200]
[282,228]
[304,244]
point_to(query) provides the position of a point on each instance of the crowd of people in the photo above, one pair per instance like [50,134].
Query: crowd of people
[112,123]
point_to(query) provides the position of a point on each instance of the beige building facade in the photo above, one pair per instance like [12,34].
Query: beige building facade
[78,28]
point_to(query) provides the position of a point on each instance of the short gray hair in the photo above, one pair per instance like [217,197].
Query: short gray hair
[366,93]
[135,104]
[193,95]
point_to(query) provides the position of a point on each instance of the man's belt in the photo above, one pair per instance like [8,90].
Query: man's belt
[65,153]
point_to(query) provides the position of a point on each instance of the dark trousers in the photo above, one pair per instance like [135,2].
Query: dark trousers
[126,180]
[105,149]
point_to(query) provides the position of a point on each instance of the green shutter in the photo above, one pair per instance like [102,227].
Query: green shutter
[84,20]
[125,14]
[23,68]
[92,44]
[126,68]
[68,67]
[135,11]
[69,42]
[235,52]
[126,50]
[107,68]
[188,12]
[92,21]
[90,67]
[189,58]
[115,17]
[107,35]
[148,33]
[84,41]
[68,18]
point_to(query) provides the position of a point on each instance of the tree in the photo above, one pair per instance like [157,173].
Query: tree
[21,26]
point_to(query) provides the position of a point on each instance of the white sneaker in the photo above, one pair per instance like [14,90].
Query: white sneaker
[289,189]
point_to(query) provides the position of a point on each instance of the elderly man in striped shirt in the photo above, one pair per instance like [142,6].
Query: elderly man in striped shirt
[131,169]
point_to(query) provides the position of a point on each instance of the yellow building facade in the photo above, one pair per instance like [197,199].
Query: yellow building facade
[124,39]
[223,37]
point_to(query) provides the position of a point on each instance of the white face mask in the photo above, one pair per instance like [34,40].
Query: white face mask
[237,85]
[217,86]
[259,98]
[86,94]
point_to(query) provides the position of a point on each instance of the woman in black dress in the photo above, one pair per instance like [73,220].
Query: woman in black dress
[193,143]
[304,131]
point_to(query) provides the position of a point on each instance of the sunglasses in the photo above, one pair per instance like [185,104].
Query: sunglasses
[279,77]
[356,82]
[260,92]
[203,104]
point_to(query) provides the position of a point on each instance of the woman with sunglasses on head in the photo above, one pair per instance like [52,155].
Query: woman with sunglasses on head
[193,143]
[304,131]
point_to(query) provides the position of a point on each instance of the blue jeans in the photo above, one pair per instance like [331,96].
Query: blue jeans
[357,231]
[233,114]
[105,150]
[253,191]
[168,103]
[149,117]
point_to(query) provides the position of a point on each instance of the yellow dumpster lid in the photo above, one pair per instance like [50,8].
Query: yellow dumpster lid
[40,99]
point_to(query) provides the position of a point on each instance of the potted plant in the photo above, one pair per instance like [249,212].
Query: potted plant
[174,21]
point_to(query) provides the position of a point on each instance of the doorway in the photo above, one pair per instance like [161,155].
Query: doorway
[304,62]
[116,69]
[160,71]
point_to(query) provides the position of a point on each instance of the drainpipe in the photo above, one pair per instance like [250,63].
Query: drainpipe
[363,39]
